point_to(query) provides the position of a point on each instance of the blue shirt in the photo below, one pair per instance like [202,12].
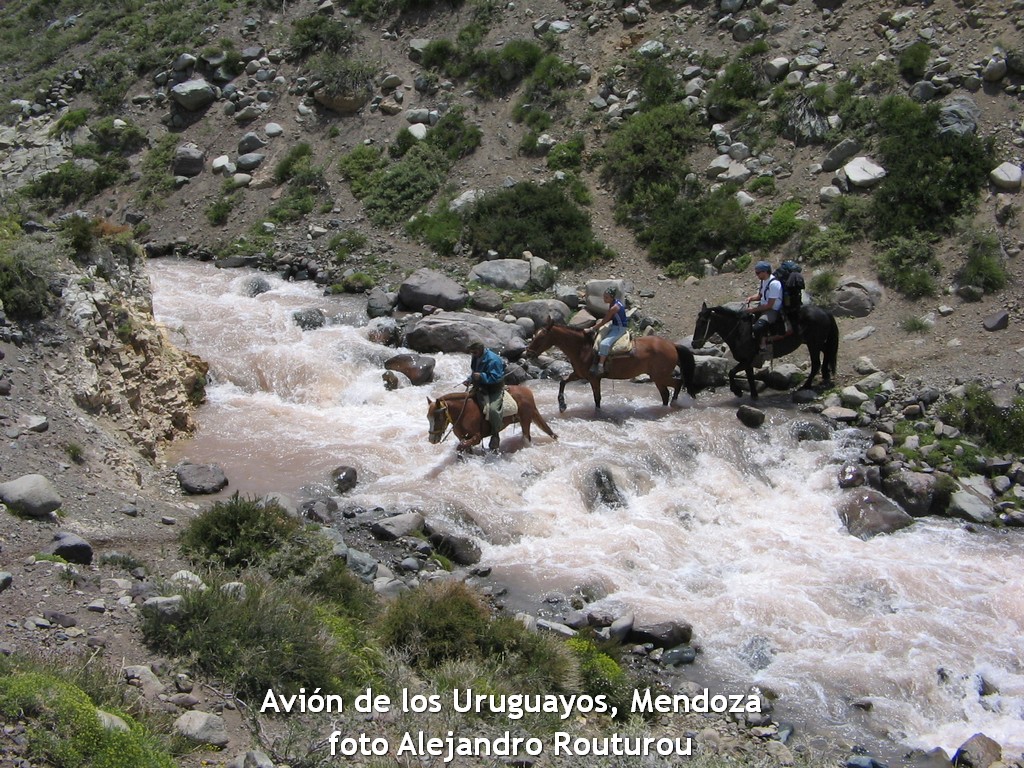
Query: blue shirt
[620,318]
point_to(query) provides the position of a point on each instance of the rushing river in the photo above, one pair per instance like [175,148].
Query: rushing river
[734,530]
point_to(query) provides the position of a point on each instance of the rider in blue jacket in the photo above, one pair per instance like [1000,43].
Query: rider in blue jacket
[488,376]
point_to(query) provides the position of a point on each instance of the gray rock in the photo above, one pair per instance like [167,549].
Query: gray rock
[397,526]
[997,321]
[750,416]
[458,546]
[31,495]
[71,547]
[193,95]
[867,513]
[839,154]
[664,634]
[200,478]
[418,369]
[344,478]
[309,319]
[425,287]
[455,331]
[541,311]
[979,751]
[189,161]
[203,728]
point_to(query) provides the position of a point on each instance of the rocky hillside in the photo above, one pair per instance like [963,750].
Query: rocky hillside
[217,130]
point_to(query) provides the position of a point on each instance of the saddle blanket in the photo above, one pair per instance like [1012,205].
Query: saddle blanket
[508,405]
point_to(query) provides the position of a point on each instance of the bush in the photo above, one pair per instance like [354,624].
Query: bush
[822,284]
[914,59]
[932,178]
[238,533]
[436,623]
[218,211]
[313,34]
[453,136]
[396,192]
[976,414]
[358,167]
[265,635]
[498,72]
[536,218]
[63,728]
[915,324]
[781,225]
[342,75]
[441,230]
[70,121]
[567,155]
[827,245]
[287,166]
[697,227]
[80,233]
[908,265]
[645,161]
[357,282]
[984,266]
[345,243]
[740,85]
[24,279]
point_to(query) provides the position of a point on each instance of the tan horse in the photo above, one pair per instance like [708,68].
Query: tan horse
[653,355]
[462,412]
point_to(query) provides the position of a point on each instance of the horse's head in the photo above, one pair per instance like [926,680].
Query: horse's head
[541,342]
[702,330]
[438,418]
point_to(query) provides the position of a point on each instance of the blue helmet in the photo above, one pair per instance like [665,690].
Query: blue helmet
[762,266]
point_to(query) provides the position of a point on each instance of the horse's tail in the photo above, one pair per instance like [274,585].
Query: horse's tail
[688,370]
[831,349]
[544,425]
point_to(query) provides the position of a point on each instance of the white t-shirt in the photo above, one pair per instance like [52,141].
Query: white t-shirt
[771,293]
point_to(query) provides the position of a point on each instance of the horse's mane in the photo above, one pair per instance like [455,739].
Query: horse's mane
[731,311]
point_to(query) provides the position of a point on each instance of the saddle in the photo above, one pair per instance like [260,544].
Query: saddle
[622,346]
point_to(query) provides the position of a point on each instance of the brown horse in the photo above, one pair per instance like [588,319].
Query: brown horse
[462,412]
[652,355]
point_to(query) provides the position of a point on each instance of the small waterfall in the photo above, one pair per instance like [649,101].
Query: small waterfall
[914,638]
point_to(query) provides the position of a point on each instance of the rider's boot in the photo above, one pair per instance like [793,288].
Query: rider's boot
[493,443]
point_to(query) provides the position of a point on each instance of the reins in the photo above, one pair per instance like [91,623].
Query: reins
[449,421]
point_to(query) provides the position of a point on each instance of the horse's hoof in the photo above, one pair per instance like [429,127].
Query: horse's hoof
[561,407]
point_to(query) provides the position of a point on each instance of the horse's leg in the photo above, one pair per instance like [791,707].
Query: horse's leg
[561,389]
[750,380]
[665,393]
[736,390]
[595,386]
[815,364]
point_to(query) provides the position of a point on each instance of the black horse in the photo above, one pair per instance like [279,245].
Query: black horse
[816,328]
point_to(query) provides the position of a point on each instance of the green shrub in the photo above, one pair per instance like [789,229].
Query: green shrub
[313,34]
[238,533]
[976,414]
[63,728]
[299,202]
[70,121]
[435,623]
[645,161]
[357,282]
[932,178]
[72,181]
[441,230]
[915,324]
[157,180]
[567,155]
[396,192]
[345,243]
[25,273]
[287,166]
[822,284]
[358,167]
[498,72]
[404,141]
[764,184]
[908,265]
[218,211]
[74,452]
[267,635]
[342,75]
[536,218]
[739,87]
[124,139]
[826,245]
[781,225]
[453,136]
[914,59]
[983,266]
[696,227]
[80,234]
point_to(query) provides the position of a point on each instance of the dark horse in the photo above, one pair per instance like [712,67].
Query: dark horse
[461,410]
[817,329]
[652,355]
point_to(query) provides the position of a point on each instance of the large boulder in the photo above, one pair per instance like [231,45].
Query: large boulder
[419,369]
[193,95]
[425,287]
[200,478]
[916,492]
[455,331]
[515,274]
[541,311]
[867,513]
[188,160]
[31,495]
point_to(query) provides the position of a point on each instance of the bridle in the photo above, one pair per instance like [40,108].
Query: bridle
[710,311]
[440,414]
